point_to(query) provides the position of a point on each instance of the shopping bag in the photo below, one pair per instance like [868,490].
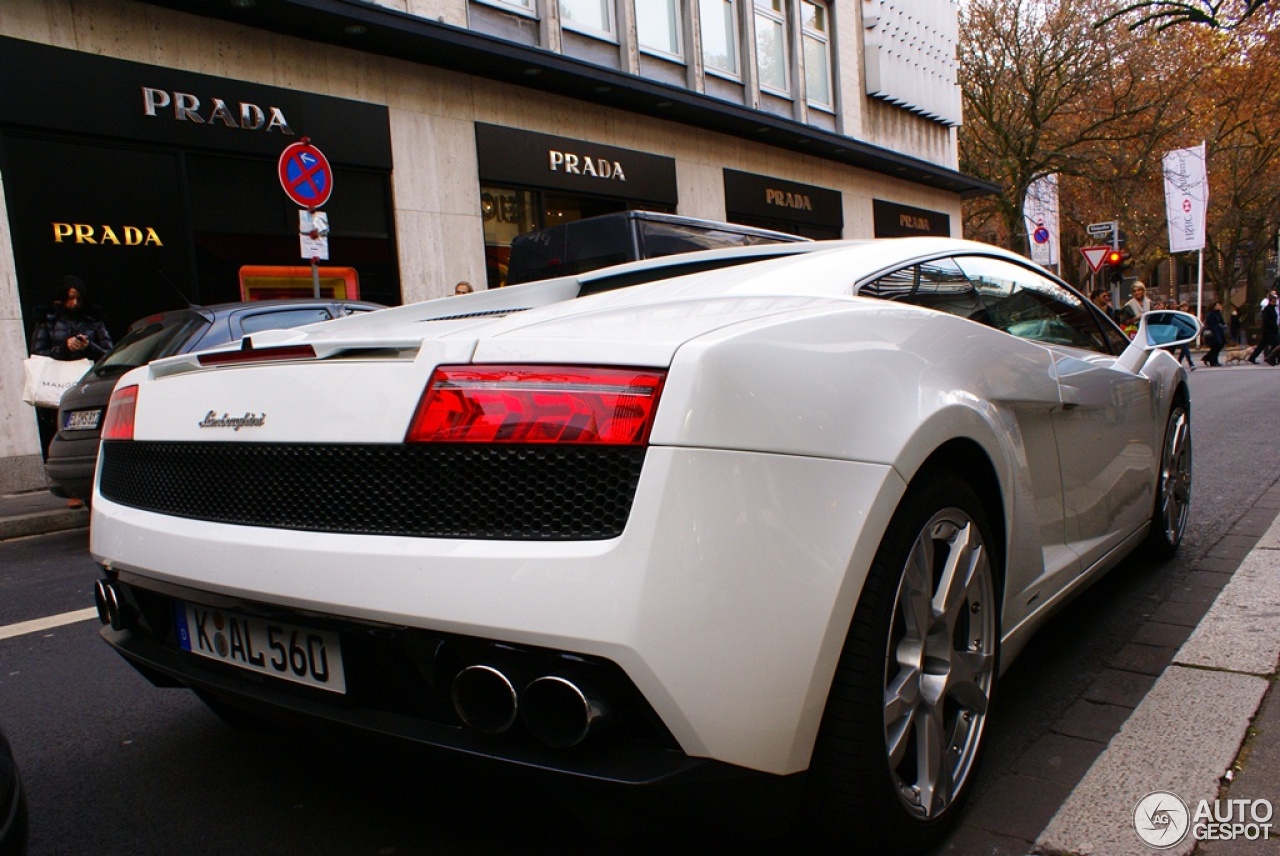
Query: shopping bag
[45,379]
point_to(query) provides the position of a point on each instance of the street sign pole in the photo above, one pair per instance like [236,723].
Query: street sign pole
[307,179]
[315,260]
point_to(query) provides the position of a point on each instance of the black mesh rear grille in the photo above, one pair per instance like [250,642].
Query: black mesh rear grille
[551,492]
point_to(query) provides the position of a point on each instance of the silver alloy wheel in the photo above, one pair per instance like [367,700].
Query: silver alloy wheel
[940,663]
[1175,477]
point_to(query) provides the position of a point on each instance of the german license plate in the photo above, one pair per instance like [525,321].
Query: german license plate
[82,420]
[298,654]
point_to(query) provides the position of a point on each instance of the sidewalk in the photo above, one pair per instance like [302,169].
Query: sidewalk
[36,513]
[1208,730]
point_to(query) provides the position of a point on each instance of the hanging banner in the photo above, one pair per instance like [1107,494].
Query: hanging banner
[1186,196]
[1040,210]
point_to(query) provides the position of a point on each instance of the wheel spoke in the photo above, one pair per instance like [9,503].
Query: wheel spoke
[934,782]
[917,586]
[902,702]
[970,679]
[963,560]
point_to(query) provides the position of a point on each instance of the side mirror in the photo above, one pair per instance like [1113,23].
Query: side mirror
[1162,328]
[1166,328]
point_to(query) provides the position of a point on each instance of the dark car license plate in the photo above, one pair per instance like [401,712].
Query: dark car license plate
[81,420]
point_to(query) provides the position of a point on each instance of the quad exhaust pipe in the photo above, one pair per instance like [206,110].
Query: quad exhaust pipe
[107,601]
[560,713]
[556,710]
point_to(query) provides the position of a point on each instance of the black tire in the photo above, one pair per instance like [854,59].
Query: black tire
[1173,486]
[884,718]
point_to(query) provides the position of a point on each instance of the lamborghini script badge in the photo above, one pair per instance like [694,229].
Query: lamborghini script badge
[235,423]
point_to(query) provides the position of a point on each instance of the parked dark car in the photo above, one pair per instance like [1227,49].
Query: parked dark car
[624,236]
[13,805]
[73,453]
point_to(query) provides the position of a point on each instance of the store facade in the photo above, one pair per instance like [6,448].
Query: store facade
[530,181]
[145,158]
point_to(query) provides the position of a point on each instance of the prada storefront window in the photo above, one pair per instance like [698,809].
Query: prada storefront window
[242,218]
[509,212]
[531,181]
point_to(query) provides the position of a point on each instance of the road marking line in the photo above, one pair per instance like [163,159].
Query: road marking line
[38,624]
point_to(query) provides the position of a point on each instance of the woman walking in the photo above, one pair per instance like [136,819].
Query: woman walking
[1216,334]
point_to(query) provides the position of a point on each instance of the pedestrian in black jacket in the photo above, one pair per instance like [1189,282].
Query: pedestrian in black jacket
[1270,332]
[67,330]
[70,329]
[1216,334]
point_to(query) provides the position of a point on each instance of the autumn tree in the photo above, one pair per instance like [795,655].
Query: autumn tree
[1239,112]
[1046,92]
[1161,14]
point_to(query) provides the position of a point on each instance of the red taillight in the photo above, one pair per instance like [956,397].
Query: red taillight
[118,424]
[537,404]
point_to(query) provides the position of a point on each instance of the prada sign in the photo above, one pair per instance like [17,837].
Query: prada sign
[187,108]
[901,221]
[106,235]
[510,157]
[758,196]
[79,93]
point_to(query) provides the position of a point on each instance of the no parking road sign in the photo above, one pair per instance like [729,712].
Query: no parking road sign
[305,174]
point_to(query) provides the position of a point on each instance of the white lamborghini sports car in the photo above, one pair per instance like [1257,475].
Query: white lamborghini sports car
[780,514]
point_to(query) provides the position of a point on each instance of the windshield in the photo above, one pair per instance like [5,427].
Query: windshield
[149,341]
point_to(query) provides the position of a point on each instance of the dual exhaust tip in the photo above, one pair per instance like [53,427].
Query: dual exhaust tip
[554,709]
[107,601]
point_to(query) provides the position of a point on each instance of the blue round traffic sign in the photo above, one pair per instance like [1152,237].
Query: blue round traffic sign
[1041,235]
[305,174]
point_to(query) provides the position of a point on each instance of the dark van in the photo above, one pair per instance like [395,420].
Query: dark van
[624,236]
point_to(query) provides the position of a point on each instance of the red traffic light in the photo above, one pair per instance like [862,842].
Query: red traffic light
[1115,258]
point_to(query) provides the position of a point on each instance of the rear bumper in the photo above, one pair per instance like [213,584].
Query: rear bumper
[71,465]
[724,602]
[398,687]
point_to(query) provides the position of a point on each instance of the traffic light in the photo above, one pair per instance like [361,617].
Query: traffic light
[1118,263]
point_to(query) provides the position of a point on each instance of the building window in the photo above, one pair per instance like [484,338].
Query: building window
[771,45]
[525,6]
[593,17]
[658,26]
[815,23]
[719,35]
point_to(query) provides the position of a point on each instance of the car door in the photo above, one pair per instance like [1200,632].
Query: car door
[1103,429]
[1023,382]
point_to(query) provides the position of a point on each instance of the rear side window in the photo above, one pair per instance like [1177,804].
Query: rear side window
[283,319]
[937,284]
[667,239]
[151,340]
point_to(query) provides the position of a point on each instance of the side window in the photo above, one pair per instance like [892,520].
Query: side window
[944,287]
[281,320]
[1030,306]
[1112,333]
[937,284]
[898,285]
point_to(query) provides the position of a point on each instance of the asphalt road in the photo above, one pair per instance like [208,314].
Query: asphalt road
[114,765]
